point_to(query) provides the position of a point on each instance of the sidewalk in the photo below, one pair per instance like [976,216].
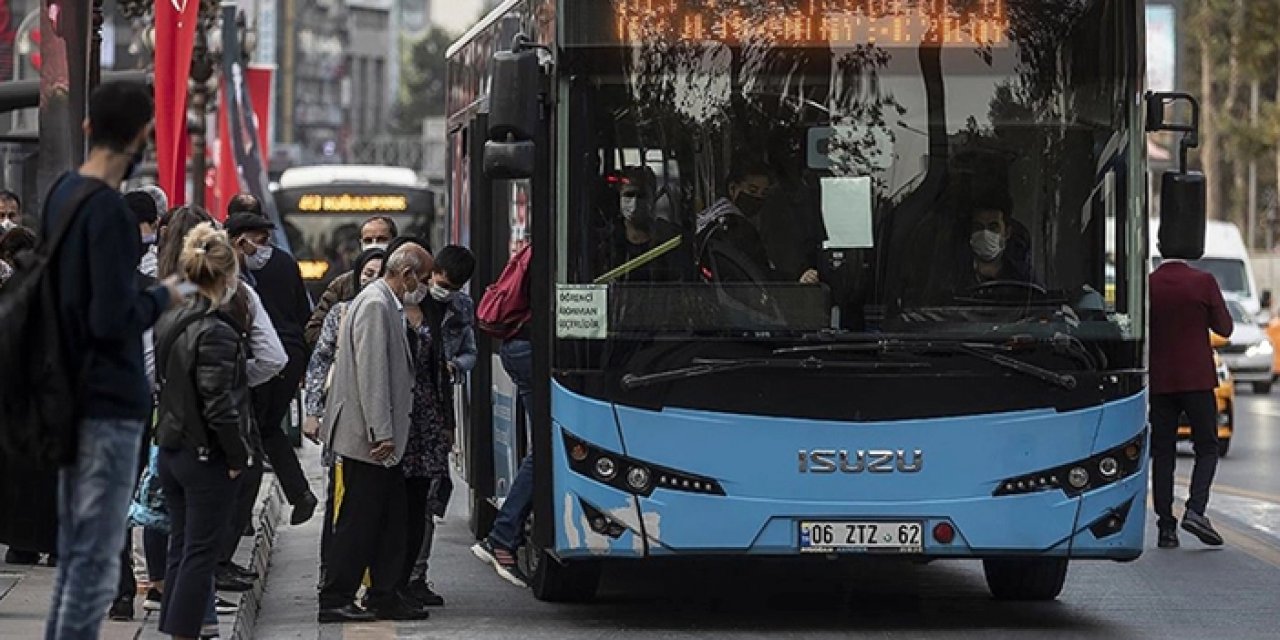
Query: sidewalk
[25,592]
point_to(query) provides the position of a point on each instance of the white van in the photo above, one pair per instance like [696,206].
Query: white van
[1226,257]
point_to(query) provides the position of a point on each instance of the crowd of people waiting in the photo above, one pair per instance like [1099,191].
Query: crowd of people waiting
[193,336]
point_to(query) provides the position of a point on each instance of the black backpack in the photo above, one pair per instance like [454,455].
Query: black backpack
[39,406]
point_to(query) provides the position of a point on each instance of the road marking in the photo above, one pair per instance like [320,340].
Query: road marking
[1234,491]
[1270,413]
[1250,522]
[1249,544]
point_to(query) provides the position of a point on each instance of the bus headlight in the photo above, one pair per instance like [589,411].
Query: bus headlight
[1075,478]
[631,475]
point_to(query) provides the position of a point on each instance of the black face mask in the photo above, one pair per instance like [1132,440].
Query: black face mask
[749,205]
[138,157]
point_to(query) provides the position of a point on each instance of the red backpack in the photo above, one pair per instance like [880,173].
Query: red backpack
[504,307]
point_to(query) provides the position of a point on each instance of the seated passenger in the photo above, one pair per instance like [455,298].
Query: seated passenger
[640,232]
[990,231]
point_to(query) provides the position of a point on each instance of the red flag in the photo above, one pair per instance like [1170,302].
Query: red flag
[175,36]
[260,79]
[228,182]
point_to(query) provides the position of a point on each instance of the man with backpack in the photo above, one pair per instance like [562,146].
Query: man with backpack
[504,313]
[94,356]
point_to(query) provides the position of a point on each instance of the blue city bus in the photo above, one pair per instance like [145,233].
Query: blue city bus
[916,401]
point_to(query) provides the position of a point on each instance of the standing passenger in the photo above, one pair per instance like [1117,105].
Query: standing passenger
[102,316]
[1186,304]
[201,431]
[367,428]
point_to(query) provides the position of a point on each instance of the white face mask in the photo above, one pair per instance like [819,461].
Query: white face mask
[6,225]
[259,257]
[987,245]
[382,246]
[417,295]
[627,206]
[439,293]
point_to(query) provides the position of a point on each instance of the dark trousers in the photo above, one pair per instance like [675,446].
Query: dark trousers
[155,546]
[368,533]
[270,405]
[1201,409]
[417,490]
[200,496]
[246,495]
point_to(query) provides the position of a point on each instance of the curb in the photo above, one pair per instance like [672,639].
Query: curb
[263,542]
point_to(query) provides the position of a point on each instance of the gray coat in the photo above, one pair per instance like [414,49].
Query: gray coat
[372,391]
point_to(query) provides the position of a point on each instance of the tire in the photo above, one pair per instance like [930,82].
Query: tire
[1262,388]
[1224,445]
[554,581]
[482,515]
[1025,578]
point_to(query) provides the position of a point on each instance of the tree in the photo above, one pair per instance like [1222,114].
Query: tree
[422,81]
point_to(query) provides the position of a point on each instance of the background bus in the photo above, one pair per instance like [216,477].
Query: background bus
[324,205]
[902,407]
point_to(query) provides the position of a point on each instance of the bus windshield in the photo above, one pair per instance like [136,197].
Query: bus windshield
[942,167]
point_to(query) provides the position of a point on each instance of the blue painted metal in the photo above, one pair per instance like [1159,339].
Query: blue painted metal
[505,431]
[755,459]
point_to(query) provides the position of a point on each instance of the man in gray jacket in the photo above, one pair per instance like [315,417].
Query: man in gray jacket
[367,428]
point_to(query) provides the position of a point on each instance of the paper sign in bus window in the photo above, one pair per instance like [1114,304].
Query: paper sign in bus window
[846,212]
[582,311]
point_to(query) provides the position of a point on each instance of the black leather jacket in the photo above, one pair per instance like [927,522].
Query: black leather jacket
[204,399]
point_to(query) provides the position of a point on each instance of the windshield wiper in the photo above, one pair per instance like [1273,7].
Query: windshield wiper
[708,366]
[982,350]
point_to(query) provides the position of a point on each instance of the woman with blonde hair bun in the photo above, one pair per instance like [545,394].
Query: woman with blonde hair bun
[202,429]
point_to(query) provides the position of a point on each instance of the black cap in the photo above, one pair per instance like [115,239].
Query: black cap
[241,223]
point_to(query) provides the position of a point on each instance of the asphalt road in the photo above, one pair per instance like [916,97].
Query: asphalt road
[1192,592]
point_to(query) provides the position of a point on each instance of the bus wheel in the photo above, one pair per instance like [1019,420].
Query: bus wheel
[482,515]
[572,581]
[1025,578]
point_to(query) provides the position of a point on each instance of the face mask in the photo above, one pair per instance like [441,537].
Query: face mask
[749,205]
[134,161]
[987,245]
[6,225]
[148,239]
[418,294]
[632,212]
[439,293]
[259,258]
[381,246]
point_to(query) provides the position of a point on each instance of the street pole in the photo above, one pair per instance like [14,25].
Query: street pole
[201,71]
[95,47]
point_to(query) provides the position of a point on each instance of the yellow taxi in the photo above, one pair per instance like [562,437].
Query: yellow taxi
[1225,393]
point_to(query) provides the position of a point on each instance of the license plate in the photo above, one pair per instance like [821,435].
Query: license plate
[888,537]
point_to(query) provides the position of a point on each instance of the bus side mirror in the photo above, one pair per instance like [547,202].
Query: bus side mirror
[513,112]
[511,160]
[1182,192]
[1182,216]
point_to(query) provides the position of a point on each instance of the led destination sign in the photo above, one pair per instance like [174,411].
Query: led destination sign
[823,23]
[348,203]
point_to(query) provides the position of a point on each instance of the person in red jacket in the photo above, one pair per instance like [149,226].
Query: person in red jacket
[1186,304]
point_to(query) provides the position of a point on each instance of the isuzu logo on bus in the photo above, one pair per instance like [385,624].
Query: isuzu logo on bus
[859,461]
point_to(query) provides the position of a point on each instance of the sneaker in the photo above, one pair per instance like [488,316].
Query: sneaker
[421,592]
[122,609]
[399,609]
[503,561]
[349,613]
[226,579]
[224,606]
[1199,526]
[152,603]
[1168,538]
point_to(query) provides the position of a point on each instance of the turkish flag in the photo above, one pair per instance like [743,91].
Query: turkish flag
[175,37]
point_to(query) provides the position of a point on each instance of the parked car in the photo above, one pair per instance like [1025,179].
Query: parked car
[1249,353]
[1226,395]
